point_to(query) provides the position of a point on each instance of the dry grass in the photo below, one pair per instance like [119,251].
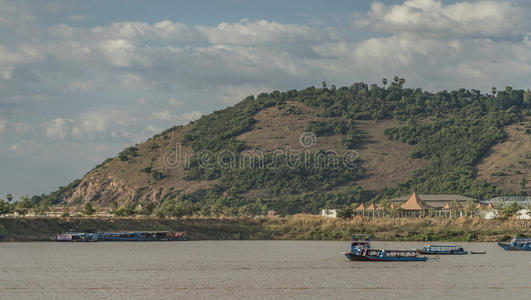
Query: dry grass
[508,162]
[303,227]
[388,162]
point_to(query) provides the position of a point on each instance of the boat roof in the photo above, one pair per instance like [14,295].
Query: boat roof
[361,237]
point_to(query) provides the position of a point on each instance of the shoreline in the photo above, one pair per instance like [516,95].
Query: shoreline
[305,227]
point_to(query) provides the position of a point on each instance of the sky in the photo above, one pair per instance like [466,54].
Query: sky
[81,80]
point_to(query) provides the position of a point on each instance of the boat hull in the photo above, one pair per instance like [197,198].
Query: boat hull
[354,257]
[509,247]
[442,252]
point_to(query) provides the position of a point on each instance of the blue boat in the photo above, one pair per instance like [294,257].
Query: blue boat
[442,250]
[138,236]
[360,250]
[77,237]
[517,244]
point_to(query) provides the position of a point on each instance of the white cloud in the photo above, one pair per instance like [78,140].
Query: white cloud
[462,19]
[261,32]
[3,124]
[58,128]
[95,121]
[14,148]
[163,116]
[191,116]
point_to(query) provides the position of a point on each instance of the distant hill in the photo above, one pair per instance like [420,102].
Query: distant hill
[388,141]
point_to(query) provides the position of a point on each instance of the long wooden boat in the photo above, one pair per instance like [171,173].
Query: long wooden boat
[385,255]
[517,244]
[360,250]
[442,250]
[76,237]
[137,236]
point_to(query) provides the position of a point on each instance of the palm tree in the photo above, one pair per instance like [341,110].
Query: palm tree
[384,82]
[493,91]
[9,197]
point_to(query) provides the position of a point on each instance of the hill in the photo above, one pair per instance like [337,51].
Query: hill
[298,151]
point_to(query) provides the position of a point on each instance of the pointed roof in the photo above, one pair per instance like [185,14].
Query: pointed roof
[372,207]
[392,205]
[490,205]
[479,205]
[414,203]
[361,207]
[449,206]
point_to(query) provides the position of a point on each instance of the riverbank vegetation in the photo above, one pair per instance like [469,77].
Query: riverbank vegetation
[303,227]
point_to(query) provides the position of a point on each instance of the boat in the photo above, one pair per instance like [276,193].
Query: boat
[478,252]
[517,244]
[137,236]
[442,250]
[360,250]
[77,237]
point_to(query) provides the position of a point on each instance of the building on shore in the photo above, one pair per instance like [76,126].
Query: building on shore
[330,213]
[420,205]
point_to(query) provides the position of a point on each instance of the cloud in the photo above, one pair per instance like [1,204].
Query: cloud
[168,116]
[59,128]
[263,32]
[432,17]
[191,116]
[3,124]
[163,116]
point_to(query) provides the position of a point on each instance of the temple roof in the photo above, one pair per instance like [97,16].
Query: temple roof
[414,203]
[371,207]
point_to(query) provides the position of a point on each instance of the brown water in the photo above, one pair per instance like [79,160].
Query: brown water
[257,269]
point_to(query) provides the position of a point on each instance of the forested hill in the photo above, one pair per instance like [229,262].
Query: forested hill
[387,140]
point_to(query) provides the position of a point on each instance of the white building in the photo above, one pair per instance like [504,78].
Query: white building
[523,214]
[330,213]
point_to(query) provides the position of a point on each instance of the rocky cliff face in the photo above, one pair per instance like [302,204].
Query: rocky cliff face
[149,171]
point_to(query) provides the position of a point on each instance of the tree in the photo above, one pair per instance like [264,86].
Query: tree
[44,206]
[493,91]
[396,79]
[523,183]
[345,213]
[470,208]
[88,209]
[9,197]
[455,208]
[386,205]
[146,208]
[23,205]
[384,82]
[4,207]
[527,98]
[510,210]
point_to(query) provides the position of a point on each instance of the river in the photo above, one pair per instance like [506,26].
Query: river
[253,269]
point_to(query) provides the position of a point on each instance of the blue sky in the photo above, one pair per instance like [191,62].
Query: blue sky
[81,80]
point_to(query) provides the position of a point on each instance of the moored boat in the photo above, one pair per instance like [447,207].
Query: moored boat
[360,250]
[77,237]
[517,244]
[442,250]
[137,236]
